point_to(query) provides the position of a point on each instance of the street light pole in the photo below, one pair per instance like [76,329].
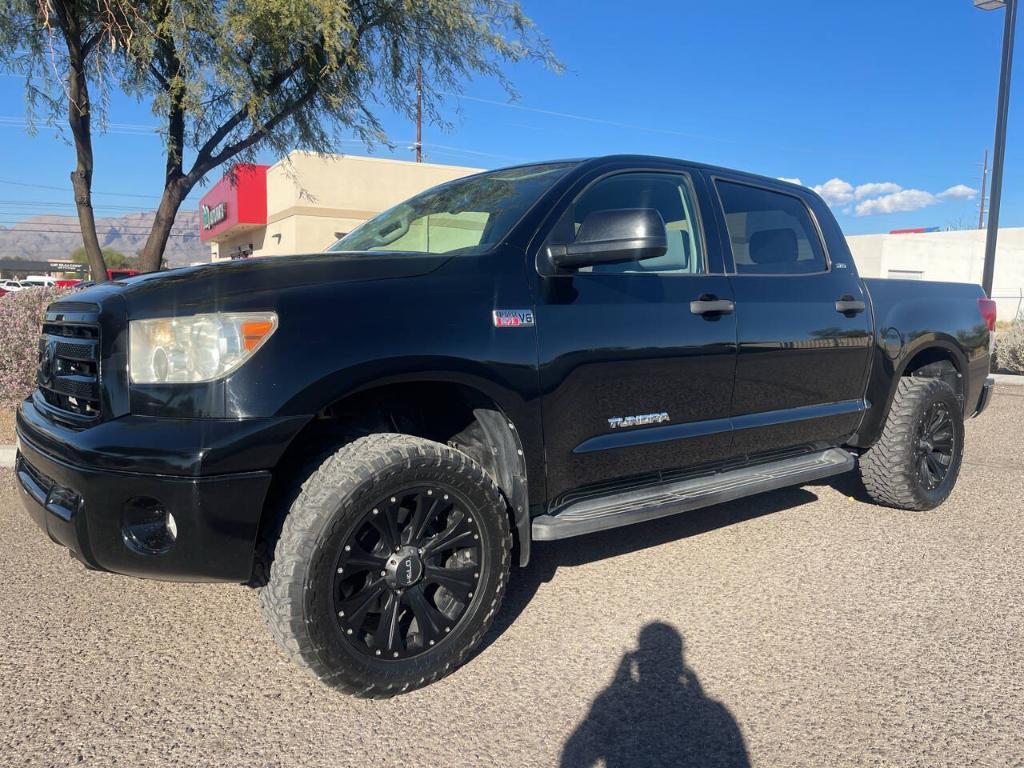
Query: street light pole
[999,149]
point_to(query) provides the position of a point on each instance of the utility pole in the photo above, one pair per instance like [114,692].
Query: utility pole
[984,181]
[999,149]
[419,112]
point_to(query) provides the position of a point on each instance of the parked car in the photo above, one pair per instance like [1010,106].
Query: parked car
[12,285]
[44,281]
[373,435]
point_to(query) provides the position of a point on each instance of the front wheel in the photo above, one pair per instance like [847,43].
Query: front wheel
[391,565]
[916,461]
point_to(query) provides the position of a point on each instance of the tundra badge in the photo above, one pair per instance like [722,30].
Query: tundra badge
[619,422]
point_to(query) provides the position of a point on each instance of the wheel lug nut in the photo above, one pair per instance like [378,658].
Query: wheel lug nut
[430,493]
[341,570]
[431,642]
[376,511]
[470,594]
[383,573]
[447,629]
[393,499]
[446,497]
[348,548]
[341,614]
[348,631]
[377,652]
[396,654]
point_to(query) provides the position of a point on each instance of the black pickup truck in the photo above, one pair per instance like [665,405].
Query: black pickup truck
[372,434]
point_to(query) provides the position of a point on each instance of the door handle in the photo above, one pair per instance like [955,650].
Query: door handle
[709,305]
[847,305]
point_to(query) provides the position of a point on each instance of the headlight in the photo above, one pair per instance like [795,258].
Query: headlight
[196,348]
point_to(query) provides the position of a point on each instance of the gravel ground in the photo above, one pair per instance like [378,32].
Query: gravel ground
[800,628]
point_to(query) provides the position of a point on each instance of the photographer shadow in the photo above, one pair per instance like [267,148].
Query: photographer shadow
[655,713]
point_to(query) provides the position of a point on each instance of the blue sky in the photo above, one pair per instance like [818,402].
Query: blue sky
[894,99]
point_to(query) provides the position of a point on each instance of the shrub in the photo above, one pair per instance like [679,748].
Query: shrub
[1010,348]
[21,315]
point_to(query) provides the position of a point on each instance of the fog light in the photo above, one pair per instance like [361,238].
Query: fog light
[148,527]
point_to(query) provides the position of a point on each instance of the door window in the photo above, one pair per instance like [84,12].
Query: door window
[668,193]
[771,232]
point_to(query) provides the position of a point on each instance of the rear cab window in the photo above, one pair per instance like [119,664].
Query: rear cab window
[771,233]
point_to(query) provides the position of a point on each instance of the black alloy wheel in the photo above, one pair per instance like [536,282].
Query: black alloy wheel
[916,460]
[391,564]
[935,445]
[407,573]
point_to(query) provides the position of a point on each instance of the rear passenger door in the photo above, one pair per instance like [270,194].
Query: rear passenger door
[803,322]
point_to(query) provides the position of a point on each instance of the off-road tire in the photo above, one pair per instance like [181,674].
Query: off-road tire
[890,469]
[295,603]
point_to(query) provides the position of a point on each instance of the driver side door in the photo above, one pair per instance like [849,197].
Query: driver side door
[637,379]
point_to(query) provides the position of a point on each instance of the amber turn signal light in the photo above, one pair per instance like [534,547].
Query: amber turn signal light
[253,333]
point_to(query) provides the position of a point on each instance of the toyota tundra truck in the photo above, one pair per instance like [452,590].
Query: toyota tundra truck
[374,434]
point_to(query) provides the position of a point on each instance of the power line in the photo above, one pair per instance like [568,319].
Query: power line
[15,229]
[46,204]
[68,189]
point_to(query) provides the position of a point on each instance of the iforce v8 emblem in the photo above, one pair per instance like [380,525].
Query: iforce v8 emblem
[513,318]
[619,422]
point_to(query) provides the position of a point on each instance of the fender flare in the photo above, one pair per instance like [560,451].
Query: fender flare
[510,471]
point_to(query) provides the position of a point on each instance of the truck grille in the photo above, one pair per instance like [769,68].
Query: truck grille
[68,376]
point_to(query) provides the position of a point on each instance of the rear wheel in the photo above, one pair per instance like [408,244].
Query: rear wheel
[915,463]
[390,566]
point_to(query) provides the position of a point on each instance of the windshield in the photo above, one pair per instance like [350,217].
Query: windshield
[467,216]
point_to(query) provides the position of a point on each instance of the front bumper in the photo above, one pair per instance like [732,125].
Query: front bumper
[986,395]
[81,491]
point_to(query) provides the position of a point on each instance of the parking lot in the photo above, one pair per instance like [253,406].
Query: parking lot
[800,628]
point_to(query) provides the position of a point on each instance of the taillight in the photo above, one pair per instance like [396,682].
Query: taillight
[988,311]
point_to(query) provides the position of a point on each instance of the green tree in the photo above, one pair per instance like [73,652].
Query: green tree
[113,259]
[229,78]
[64,48]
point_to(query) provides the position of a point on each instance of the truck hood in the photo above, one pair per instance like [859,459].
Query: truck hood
[210,285]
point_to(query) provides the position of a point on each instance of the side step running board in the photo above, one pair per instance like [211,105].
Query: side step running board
[624,508]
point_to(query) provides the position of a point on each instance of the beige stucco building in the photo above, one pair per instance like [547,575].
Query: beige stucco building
[306,201]
[947,256]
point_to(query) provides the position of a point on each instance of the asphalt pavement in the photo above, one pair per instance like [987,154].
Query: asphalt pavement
[805,627]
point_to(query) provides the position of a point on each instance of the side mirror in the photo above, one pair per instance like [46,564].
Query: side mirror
[613,237]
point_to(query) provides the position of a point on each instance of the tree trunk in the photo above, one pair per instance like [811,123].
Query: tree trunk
[153,252]
[79,120]
[81,182]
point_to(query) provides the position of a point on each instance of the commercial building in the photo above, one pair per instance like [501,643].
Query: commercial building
[306,201]
[957,256]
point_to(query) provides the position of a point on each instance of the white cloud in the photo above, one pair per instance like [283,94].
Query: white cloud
[897,202]
[836,191]
[959,192]
[875,189]
[791,181]
[880,197]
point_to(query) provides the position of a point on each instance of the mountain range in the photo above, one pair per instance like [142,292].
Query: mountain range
[55,237]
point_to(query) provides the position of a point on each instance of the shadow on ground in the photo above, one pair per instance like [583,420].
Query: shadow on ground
[655,713]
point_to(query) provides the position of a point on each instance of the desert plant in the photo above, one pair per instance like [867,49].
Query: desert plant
[21,315]
[1010,348]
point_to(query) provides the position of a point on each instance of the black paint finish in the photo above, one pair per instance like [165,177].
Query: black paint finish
[783,368]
